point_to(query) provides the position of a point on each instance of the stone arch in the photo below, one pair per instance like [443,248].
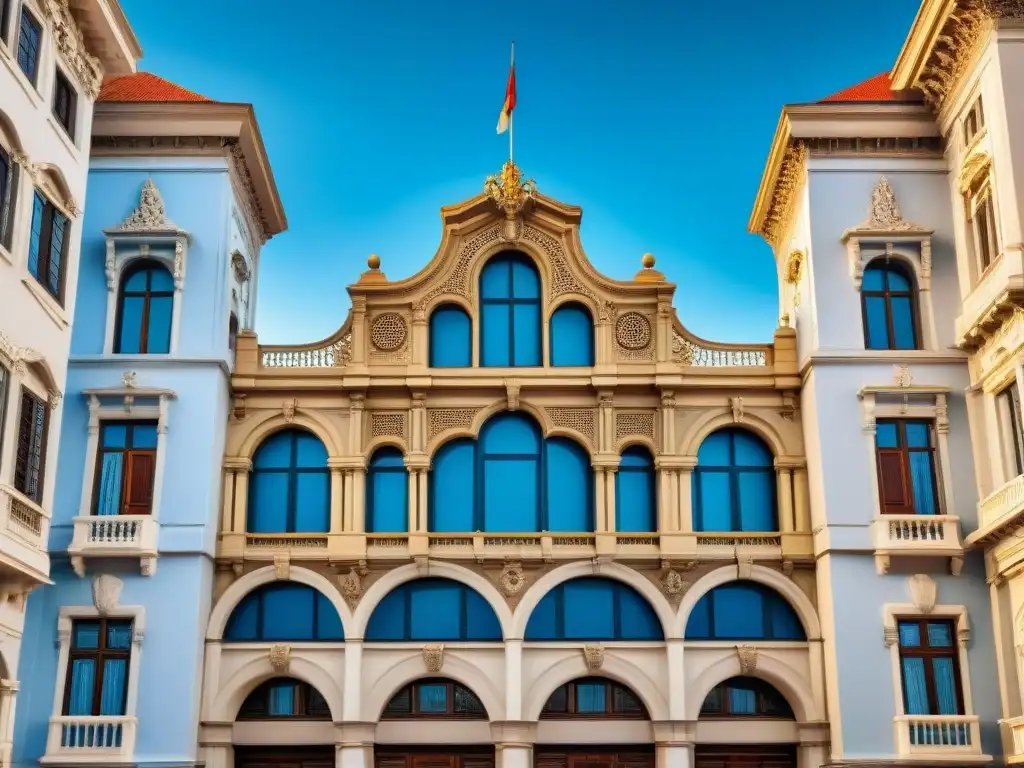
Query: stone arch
[257,671]
[436,568]
[569,571]
[449,298]
[787,589]
[412,668]
[641,440]
[783,676]
[756,424]
[909,260]
[615,668]
[531,251]
[54,184]
[234,594]
[9,137]
[386,441]
[501,406]
[573,298]
[246,438]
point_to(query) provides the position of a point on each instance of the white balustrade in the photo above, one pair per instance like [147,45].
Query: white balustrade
[83,739]
[936,736]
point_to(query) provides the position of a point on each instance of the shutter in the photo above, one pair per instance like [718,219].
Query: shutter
[24,442]
[551,760]
[138,492]
[477,761]
[389,760]
[433,761]
[28,468]
[894,482]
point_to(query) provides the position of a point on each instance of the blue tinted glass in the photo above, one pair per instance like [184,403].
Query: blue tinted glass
[874,279]
[569,486]
[268,503]
[452,475]
[328,622]
[757,501]
[158,338]
[119,635]
[637,620]
[897,279]
[511,495]
[436,610]
[481,621]
[432,697]
[287,612]
[915,687]
[115,681]
[36,233]
[450,344]
[591,698]
[886,434]
[281,700]
[495,342]
[910,634]
[86,635]
[716,450]
[511,434]
[877,328]
[636,456]
[751,450]
[589,606]
[545,618]
[945,686]
[310,452]
[918,434]
[144,436]
[713,490]
[313,502]
[572,336]
[160,280]
[635,508]
[275,452]
[698,624]
[242,625]
[743,610]
[495,279]
[131,325]
[782,619]
[742,701]
[525,281]
[939,635]
[387,622]
[903,322]
[115,435]
[386,457]
[923,483]
[83,680]
[136,281]
[388,508]
[108,494]
[739,613]
[526,334]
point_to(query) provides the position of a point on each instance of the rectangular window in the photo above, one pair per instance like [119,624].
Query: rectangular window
[905,453]
[97,674]
[8,194]
[5,9]
[65,103]
[981,223]
[31,454]
[1012,435]
[5,385]
[930,668]
[125,468]
[974,121]
[30,34]
[46,246]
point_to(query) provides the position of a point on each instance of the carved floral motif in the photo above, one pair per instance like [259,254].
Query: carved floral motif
[280,658]
[511,581]
[593,656]
[151,215]
[70,43]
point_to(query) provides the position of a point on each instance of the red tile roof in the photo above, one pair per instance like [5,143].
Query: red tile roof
[145,87]
[877,88]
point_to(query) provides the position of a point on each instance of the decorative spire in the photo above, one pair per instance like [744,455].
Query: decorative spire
[150,216]
[648,274]
[373,274]
[884,212]
[509,191]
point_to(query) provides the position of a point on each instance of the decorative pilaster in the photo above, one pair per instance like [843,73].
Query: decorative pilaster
[784,483]
[358,331]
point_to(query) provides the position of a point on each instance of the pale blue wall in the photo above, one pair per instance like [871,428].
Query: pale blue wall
[198,196]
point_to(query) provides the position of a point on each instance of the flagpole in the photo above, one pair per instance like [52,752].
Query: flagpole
[511,117]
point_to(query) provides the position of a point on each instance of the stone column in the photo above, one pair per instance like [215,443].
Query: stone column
[8,703]
[801,501]
[513,743]
[354,744]
[673,743]
[514,679]
[337,499]
[784,482]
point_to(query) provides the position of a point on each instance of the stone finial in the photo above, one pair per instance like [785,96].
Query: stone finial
[373,274]
[648,274]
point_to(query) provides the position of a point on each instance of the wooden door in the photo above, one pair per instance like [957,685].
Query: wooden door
[593,757]
[386,756]
[284,757]
[746,756]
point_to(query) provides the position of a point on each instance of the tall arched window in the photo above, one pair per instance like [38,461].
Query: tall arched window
[743,610]
[510,312]
[590,697]
[285,697]
[284,611]
[145,305]
[387,492]
[890,306]
[593,608]
[572,336]
[734,484]
[450,342]
[636,506]
[290,485]
[511,481]
[434,699]
[433,610]
[745,697]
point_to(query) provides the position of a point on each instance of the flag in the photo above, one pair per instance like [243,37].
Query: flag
[510,100]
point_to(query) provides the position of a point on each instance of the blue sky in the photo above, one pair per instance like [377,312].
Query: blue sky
[655,116]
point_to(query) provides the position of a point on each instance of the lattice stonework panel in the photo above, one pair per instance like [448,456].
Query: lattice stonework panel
[387,424]
[389,338]
[634,336]
[577,419]
[637,423]
[441,419]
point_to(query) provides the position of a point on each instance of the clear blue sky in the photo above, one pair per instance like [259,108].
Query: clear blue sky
[655,116]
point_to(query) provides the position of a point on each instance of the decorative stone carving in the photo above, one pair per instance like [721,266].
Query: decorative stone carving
[901,375]
[736,403]
[70,42]
[512,580]
[129,379]
[579,420]
[963,636]
[151,215]
[512,394]
[509,191]
[351,586]
[253,215]
[388,331]
[387,424]
[884,212]
[923,592]
[747,654]
[674,586]
[433,657]
[240,267]
[792,173]
[106,590]
[593,656]
[342,350]
[282,567]
[633,331]
[280,658]
[288,408]
[442,419]
[890,636]
[957,45]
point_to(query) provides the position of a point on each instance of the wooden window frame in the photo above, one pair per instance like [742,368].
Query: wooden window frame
[27,14]
[763,691]
[926,652]
[147,295]
[126,467]
[511,302]
[981,223]
[1011,419]
[5,393]
[62,82]
[38,445]
[8,196]
[973,122]
[449,714]
[302,696]
[887,295]
[99,655]
[610,713]
[903,451]
[44,257]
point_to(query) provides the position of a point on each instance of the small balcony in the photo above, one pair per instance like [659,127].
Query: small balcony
[24,531]
[917,536]
[77,740]
[1000,289]
[939,738]
[115,536]
[1000,511]
[1015,727]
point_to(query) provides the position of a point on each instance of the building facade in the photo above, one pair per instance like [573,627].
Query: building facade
[52,61]
[181,202]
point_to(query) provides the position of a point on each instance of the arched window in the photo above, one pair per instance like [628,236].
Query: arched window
[433,610]
[636,506]
[387,492]
[593,608]
[743,610]
[284,611]
[734,484]
[290,485]
[512,481]
[450,342]
[434,699]
[144,308]
[889,305]
[745,697]
[510,312]
[285,697]
[572,336]
[591,697]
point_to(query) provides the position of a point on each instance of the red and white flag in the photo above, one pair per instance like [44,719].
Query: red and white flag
[510,99]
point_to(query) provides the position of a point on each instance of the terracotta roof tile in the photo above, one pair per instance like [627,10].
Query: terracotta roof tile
[146,87]
[877,88]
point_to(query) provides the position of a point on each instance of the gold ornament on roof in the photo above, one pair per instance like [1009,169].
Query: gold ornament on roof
[508,190]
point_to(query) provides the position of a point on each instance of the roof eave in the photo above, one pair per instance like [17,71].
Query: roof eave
[766,189]
[926,28]
[109,35]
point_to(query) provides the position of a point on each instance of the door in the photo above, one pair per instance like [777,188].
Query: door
[747,756]
[593,757]
[284,757]
[386,756]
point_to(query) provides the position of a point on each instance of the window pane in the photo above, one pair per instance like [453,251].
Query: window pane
[131,325]
[589,607]
[569,484]
[115,436]
[312,502]
[450,344]
[886,434]
[910,634]
[119,635]
[275,452]
[144,436]
[137,281]
[918,434]
[160,280]
[495,346]
[432,697]
[511,434]
[288,613]
[637,620]
[757,501]
[525,283]
[716,450]
[591,698]
[452,488]
[559,700]
[915,689]
[310,453]
[714,500]
[877,328]
[945,686]
[750,450]
[112,697]
[635,506]
[158,340]
[572,336]
[527,334]
[38,208]
[387,622]
[742,701]
[511,495]
[783,622]
[86,635]
[268,503]
[328,622]
[923,482]
[281,700]
[897,280]
[436,612]
[389,512]
[481,621]
[939,635]
[873,280]
[739,613]
[242,625]
[467,702]
[108,494]
[83,678]
[494,281]
[903,322]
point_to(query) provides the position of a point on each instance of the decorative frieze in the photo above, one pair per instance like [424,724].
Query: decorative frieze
[579,420]
[70,42]
[442,419]
[636,423]
[788,184]
[387,424]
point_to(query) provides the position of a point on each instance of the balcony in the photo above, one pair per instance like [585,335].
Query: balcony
[1015,726]
[24,530]
[1000,289]
[939,738]
[78,740]
[1000,511]
[115,536]
[917,536]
